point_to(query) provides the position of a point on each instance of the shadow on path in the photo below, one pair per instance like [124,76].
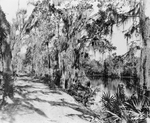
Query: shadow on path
[30,97]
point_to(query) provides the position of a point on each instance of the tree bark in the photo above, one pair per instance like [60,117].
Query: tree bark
[145,52]
[6,59]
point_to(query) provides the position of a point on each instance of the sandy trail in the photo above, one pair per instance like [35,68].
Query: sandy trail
[34,102]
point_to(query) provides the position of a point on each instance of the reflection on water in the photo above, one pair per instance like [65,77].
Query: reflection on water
[110,85]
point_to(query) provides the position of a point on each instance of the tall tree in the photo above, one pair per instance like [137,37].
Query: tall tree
[6,55]
[138,13]
[145,53]
[64,41]
[74,22]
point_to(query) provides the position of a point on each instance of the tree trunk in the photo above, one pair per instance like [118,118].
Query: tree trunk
[145,67]
[8,84]
[145,53]
[7,56]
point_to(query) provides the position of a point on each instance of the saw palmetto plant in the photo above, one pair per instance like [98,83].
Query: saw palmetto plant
[130,109]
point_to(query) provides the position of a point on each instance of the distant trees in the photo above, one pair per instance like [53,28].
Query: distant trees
[61,35]
[137,13]
[122,66]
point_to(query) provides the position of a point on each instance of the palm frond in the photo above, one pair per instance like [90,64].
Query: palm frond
[108,101]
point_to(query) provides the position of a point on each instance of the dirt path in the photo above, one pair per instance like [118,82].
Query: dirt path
[34,102]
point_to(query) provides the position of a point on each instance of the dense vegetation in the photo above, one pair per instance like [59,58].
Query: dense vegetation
[122,108]
[56,42]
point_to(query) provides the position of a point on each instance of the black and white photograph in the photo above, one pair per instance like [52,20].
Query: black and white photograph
[74,61]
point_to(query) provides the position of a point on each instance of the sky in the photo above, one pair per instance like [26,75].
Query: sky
[10,7]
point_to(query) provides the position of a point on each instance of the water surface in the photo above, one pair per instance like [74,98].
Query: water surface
[104,85]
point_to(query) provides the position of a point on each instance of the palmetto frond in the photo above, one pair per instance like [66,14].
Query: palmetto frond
[114,109]
[137,109]
[108,101]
